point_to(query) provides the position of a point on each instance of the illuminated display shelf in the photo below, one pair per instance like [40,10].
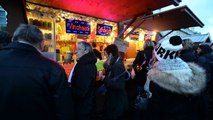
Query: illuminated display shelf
[52,23]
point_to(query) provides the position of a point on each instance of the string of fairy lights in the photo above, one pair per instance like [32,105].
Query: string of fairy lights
[57,14]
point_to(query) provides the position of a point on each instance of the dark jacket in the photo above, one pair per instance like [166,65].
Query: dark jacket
[188,56]
[146,54]
[83,87]
[176,93]
[97,54]
[116,97]
[205,60]
[32,87]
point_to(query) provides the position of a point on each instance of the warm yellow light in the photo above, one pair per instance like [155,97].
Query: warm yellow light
[128,39]
[154,33]
[141,36]
[112,34]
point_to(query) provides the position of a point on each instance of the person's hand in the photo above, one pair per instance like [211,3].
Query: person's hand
[102,77]
[109,59]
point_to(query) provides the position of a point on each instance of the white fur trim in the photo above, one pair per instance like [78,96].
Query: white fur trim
[186,81]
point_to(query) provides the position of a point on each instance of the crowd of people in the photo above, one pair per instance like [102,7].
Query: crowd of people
[179,80]
[176,74]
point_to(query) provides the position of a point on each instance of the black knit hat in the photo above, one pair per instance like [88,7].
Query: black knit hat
[205,49]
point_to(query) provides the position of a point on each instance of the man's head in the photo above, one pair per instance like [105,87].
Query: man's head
[203,49]
[187,44]
[111,50]
[82,49]
[148,43]
[94,45]
[29,34]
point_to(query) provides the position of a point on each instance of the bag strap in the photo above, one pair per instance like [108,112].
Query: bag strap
[145,59]
[103,88]
[123,73]
[118,76]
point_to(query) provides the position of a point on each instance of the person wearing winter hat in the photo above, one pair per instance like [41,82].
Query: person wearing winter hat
[174,85]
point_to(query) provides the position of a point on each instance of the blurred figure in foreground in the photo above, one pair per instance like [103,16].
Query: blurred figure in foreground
[82,79]
[5,39]
[174,86]
[116,97]
[205,59]
[32,87]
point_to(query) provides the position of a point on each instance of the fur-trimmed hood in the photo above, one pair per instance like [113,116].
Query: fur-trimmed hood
[178,76]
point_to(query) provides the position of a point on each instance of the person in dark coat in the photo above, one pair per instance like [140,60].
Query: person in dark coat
[32,87]
[205,60]
[5,39]
[144,55]
[188,54]
[140,66]
[116,98]
[82,80]
[96,52]
[174,86]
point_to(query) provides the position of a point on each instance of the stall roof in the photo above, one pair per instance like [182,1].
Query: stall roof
[112,10]
[198,38]
[173,19]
